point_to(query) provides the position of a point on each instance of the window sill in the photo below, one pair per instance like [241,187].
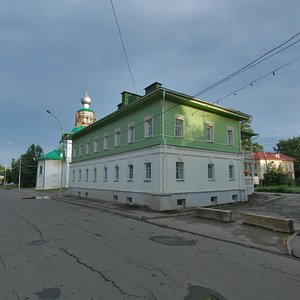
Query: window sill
[129,180]
[147,180]
[179,180]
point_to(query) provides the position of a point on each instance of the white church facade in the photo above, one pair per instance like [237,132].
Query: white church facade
[54,166]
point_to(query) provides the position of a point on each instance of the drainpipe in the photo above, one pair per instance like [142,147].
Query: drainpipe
[164,140]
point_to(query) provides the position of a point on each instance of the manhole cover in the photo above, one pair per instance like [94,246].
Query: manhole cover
[172,240]
[197,292]
[52,293]
[38,242]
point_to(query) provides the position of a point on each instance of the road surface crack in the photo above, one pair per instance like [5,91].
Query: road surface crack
[3,262]
[106,279]
[31,224]
[15,292]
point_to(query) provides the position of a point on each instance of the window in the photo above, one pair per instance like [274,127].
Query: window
[87,147]
[41,170]
[129,200]
[148,171]
[179,129]
[80,150]
[105,141]
[105,174]
[231,172]
[209,132]
[235,197]
[95,174]
[79,175]
[211,172]
[86,174]
[179,170]
[181,202]
[230,136]
[117,171]
[148,126]
[117,137]
[214,199]
[115,197]
[74,151]
[73,175]
[130,172]
[95,144]
[131,132]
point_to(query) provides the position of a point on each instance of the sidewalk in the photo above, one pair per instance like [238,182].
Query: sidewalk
[186,221]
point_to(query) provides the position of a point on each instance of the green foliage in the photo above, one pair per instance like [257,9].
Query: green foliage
[29,162]
[291,147]
[278,189]
[246,142]
[2,170]
[277,176]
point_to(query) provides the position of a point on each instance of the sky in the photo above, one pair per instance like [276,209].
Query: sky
[50,48]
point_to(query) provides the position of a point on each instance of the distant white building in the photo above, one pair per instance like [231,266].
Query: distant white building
[53,167]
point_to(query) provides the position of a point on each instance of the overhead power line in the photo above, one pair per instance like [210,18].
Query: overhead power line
[250,84]
[253,63]
[123,46]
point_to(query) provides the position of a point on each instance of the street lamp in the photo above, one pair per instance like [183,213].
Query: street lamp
[61,152]
[20,166]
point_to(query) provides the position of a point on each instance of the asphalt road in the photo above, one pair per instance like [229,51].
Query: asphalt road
[55,250]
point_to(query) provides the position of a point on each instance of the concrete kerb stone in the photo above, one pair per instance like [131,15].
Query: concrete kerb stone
[215,214]
[268,222]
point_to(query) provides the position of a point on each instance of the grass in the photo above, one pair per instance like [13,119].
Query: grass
[279,189]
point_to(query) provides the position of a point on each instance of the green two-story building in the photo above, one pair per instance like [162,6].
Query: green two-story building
[164,149]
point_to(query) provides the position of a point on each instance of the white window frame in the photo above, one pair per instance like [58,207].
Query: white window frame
[117,137]
[87,147]
[230,136]
[148,171]
[86,174]
[95,146]
[179,170]
[74,151]
[117,173]
[105,141]
[105,173]
[209,132]
[211,171]
[131,132]
[231,172]
[130,172]
[95,174]
[148,126]
[73,175]
[80,150]
[179,126]
[79,175]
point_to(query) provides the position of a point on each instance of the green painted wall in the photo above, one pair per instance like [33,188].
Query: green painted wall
[194,123]
[122,123]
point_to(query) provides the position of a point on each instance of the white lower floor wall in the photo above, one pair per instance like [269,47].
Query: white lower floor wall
[162,202]
[161,178]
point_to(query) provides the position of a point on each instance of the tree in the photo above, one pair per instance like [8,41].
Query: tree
[29,162]
[277,176]
[291,147]
[246,127]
